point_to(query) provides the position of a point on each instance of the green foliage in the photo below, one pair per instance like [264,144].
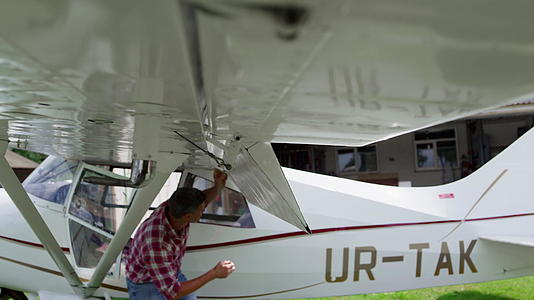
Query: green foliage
[36,157]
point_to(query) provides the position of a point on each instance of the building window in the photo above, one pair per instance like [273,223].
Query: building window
[436,149]
[361,159]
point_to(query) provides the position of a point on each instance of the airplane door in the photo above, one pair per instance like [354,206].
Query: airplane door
[94,214]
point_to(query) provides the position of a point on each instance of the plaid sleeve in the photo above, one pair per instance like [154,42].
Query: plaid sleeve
[163,270]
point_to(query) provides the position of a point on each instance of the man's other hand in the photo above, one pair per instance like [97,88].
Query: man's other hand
[219,177]
[224,268]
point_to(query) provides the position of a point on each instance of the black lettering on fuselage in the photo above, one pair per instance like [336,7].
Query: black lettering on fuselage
[444,260]
[367,267]
[370,255]
[328,272]
[465,257]
[419,247]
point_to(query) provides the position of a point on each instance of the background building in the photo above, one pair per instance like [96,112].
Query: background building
[20,164]
[431,156]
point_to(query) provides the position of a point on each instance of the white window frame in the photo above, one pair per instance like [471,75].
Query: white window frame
[355,153]
[434,143]
[87,272]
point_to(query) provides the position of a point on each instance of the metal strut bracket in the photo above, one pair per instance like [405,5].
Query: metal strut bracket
[220,162]
[26,207]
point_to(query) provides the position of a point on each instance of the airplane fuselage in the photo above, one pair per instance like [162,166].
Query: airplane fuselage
[365,239]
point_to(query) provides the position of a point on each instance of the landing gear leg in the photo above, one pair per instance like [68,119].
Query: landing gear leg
[6,294]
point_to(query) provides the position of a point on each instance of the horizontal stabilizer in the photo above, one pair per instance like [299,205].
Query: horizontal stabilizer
[527,241]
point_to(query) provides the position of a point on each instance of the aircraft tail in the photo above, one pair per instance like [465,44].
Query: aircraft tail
[501,189]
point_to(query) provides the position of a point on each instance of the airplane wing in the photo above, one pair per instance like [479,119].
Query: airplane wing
[94,80]
[113,81]
[354,72]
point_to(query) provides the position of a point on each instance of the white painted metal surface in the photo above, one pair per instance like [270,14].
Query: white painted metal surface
[78,78]
[113,81]
[366,238]
[22,201]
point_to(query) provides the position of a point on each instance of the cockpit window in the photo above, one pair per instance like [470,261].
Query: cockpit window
[95,213]
[230,209]
[102,206]
[51,180]
[88,246]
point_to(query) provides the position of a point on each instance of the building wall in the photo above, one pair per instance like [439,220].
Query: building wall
[396,156]
[504,131]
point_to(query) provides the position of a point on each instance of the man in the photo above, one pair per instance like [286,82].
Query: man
[153,259]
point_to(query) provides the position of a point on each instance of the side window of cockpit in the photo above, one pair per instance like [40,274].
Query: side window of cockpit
[102,206]
[95,213]
[88,246]
[230,209]
[51,180]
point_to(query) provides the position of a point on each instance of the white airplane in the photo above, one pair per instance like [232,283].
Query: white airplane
[153,86]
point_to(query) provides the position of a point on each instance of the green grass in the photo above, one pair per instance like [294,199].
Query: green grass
[517,288]
[36,157]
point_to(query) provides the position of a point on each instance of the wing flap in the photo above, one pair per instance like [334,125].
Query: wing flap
[258,175]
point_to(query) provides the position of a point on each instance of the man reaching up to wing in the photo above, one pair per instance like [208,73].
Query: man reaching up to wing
[154,257]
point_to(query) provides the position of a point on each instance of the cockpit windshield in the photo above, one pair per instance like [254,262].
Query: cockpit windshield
[51,180]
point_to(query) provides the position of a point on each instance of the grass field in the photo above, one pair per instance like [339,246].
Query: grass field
[518,288]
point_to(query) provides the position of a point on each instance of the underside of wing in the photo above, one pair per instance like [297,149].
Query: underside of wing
[113,81]
[97,81]
[356,72]
[130,80]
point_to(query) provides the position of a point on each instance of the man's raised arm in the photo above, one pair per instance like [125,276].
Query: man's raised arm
[219,177]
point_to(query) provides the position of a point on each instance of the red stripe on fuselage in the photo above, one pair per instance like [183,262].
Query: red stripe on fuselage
[326,230]
[30,243]
[302,233]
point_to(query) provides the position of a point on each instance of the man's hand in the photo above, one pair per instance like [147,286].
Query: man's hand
[223,269]
[220,178]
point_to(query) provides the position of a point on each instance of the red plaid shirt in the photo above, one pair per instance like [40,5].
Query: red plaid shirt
[156,252]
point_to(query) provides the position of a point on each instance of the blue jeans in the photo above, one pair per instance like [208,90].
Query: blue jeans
[148,291]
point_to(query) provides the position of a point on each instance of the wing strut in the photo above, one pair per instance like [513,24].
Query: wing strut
[140,204]
[25,206]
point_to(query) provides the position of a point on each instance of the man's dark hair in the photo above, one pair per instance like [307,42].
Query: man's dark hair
[185,200]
